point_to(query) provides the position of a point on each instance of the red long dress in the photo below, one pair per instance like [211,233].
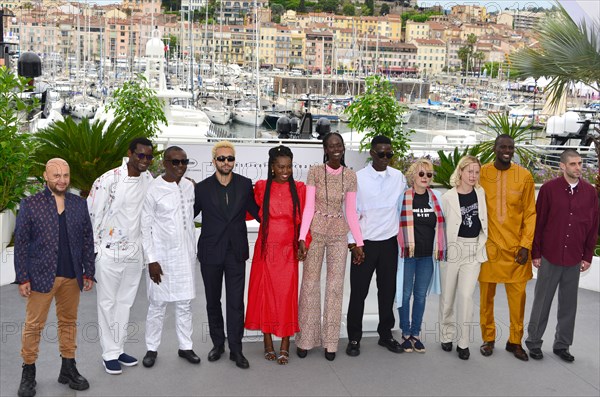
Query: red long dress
[273,288]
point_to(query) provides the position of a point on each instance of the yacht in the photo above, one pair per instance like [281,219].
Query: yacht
[246,112]
[216,111]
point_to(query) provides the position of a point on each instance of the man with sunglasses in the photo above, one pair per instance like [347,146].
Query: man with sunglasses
[224,198]
[168,235]
[380,188]
[115,204]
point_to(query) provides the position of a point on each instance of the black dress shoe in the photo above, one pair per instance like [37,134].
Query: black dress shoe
[564,355]
[301,352]
[189,355]
[463,354]
[391,344]
[240,360]
[487,349]
[536,354]
[330,356]
[215,353]
[447,346]
[149,358]
[353,348]
[517,351]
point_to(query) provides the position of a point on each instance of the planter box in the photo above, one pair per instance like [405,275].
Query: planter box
[7,266]
[7,226]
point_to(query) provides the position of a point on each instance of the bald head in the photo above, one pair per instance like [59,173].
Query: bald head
[57,176]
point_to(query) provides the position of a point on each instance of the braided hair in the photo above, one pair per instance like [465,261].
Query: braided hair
[274,153]
[326,140]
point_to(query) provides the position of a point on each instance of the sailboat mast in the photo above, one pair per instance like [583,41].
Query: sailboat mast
[256,65]
[191,26]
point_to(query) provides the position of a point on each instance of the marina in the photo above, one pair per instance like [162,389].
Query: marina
[225,82]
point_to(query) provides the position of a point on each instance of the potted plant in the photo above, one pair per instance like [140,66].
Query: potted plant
[16,149]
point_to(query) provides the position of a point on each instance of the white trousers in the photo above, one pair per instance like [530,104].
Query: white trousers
[459,276]
[118,280]
[183,323]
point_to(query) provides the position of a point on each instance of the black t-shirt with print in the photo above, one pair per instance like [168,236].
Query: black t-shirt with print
[469,210]
[424,217]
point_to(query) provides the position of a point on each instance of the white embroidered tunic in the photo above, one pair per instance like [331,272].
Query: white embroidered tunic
[168,235]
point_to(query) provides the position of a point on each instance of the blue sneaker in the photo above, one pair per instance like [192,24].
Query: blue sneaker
[112,367]
[406,345]
[127,360]
[417,345]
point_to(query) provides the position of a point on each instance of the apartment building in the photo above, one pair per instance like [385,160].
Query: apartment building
[149,6]
[318,50]
[416,30]
[431,55]
[469,13]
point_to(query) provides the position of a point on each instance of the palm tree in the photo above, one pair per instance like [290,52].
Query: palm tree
[498,124]
[567,53]
[90,148]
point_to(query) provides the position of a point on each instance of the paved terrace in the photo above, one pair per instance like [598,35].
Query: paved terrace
[376,372]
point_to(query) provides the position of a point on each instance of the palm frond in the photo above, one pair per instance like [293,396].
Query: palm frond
[90,148]
[567,53]
[498,124]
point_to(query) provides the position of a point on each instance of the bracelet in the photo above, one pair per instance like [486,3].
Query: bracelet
[351,246]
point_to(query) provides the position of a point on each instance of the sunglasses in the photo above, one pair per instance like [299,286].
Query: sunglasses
[422,174]
[381,155]
[142,156]
[176,162]
[222,159]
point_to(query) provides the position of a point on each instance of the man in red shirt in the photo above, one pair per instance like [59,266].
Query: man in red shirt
[565,235]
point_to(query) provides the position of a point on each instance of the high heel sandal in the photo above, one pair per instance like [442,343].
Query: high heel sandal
[270,355]
[283,358]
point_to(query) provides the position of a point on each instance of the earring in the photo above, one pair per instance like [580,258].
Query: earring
[272,173]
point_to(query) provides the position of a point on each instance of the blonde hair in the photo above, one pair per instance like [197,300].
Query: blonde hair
[462,164]
[414,167]
[222,144]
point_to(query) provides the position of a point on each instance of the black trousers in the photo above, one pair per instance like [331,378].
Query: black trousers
[235,278]
[380,257]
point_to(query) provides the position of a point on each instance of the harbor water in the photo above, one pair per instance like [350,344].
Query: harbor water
[417,121]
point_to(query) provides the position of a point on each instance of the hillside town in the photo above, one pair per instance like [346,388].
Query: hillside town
[313,42]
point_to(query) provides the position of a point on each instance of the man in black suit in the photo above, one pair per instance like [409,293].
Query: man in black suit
[223,199]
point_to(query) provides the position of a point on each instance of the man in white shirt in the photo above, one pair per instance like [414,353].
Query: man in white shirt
[169,242]
[378,196]
[115,204]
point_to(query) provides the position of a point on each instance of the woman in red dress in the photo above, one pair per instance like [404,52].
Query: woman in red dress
[273,289]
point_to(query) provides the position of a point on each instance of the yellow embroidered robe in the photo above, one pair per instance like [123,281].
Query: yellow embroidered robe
[510,199]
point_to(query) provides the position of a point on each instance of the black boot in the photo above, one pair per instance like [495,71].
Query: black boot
[70,375]
[27,386]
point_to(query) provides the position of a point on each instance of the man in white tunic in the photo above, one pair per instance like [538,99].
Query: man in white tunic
[170,250]
[115,205]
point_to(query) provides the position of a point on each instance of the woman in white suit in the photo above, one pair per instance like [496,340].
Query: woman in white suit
[466,234]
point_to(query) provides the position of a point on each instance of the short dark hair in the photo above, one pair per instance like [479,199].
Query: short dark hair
[503,136]
[171,149]
[140,141]
[564,156]
[380,139]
